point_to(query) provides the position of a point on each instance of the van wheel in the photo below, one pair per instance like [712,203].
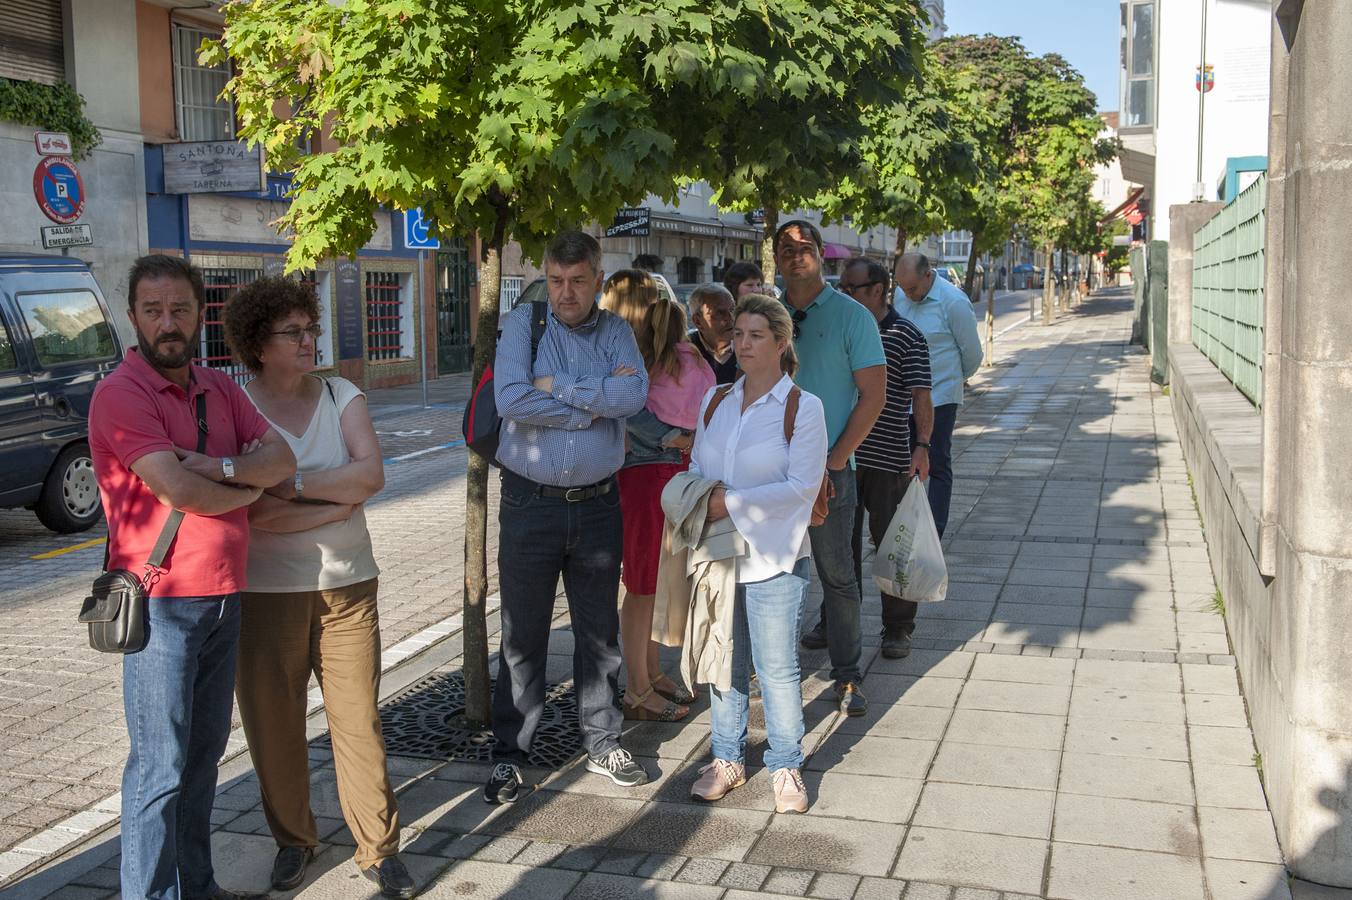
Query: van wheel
[70,496]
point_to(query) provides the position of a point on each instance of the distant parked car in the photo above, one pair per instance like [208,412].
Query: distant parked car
[57,342]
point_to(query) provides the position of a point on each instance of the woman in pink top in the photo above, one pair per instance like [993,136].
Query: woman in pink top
[658,442]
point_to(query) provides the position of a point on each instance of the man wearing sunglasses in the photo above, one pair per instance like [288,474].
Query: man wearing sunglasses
[841,361]
[885,462]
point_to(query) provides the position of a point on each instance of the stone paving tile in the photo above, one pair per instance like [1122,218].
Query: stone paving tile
[1116,737]
[1245,834]
[989,810]
[1001,696]
[996,765]
[1223,746]
[834,849]
[995,862]
[705,831]
[596,886]
[1006,729]
[1126,778]
[1238,880]
[1131,824]
[1080,872]
[1236,787]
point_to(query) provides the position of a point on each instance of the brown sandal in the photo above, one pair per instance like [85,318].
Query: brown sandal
[637,712]
[678,694]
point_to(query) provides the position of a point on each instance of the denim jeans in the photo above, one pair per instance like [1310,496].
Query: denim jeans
[833,553]
[177,696]
[940,485]
[540,538]
[880,494]
[765,631]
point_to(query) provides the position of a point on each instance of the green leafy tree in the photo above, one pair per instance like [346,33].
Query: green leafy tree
[920,159]
[1042,142]
[782,118]
[516,119]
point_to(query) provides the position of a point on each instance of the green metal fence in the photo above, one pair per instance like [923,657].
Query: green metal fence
[1227,289]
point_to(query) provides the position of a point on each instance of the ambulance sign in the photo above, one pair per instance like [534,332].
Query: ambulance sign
[58,189]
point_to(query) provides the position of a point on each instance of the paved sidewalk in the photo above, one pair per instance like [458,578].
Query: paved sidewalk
[1069,725]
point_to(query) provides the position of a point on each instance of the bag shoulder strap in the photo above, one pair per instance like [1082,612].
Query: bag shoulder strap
[720,394]
[791,412]
[332,396]
[170,529]
[539,320]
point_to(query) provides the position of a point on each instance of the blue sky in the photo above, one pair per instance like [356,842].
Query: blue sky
[1085,32]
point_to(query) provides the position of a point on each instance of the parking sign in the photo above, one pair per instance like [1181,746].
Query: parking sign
[416,235]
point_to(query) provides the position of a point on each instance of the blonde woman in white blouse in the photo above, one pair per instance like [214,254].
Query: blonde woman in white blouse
[769,485]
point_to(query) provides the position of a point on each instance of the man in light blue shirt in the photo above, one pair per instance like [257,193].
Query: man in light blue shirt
[841,362]
[561,442]
[944,315]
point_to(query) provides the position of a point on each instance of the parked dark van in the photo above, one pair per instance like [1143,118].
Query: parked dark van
[57,341]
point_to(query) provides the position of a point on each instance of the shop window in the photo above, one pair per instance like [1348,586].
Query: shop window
[202,114]
[389,321]
[690,270]
[221,285]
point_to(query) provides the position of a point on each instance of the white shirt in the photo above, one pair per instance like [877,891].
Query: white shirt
[770,485]
[328,556]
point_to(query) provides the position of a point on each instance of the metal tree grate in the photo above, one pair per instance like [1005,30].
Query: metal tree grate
[419,723]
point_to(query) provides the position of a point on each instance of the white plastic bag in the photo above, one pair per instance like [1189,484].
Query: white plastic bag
[910,562]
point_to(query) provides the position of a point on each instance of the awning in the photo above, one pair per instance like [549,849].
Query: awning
[1138,167]
[1129,209]
[836,251]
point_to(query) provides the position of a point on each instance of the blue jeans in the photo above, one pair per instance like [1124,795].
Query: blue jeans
[940,487]
[833,553]
[177,696]
[765,629]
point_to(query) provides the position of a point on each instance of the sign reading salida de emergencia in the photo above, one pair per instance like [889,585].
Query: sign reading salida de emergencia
[206,167]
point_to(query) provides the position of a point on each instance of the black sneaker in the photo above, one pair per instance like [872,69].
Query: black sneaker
[393,878]
[504,785]
[850,698]
[619,767]
[288,869]
[816,638]
[896,643]
[219,893]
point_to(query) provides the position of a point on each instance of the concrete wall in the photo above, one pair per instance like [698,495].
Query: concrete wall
[1184,220]
[1282,478]
[1236,109]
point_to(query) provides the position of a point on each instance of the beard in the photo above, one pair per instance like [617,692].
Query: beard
[169,359]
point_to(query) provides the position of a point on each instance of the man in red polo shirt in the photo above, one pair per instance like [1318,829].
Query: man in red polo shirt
[177,691]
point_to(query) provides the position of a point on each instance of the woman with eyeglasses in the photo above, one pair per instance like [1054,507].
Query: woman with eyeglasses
[310,606]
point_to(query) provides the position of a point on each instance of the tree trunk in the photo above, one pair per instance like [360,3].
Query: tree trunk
[1048,284]
[971,268]
[478,710]
[767,245]
[900,252]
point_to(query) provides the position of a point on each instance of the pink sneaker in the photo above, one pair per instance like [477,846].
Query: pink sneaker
[790,792]
[717,778]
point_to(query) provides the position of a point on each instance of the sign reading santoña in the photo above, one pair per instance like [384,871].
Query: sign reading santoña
[208,167]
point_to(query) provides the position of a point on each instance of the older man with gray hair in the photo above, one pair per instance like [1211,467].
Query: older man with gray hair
[944,316]
[711,312]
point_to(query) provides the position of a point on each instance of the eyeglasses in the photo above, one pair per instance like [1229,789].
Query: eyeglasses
[295,335]
[798,316]
[851,288]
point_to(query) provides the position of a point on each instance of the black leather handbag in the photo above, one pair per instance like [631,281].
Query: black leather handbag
[115,610]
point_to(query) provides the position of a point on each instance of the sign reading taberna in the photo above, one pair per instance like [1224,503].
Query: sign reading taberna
[209,167]
[631,222]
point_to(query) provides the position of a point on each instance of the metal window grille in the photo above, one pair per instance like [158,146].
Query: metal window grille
[203,115]
[221,285]
[510,292]
[1227,289]
[384,315]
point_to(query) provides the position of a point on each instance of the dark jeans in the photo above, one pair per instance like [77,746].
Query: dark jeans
[834,557]
[880,494]
[540,538]
[941,462]
[177,693]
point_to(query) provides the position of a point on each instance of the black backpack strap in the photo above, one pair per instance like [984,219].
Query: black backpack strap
[170,529]
[539,320]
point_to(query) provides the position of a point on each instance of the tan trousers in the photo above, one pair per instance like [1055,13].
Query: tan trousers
[335,634]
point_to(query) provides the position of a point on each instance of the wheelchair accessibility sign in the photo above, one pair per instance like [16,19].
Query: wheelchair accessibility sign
[58,189]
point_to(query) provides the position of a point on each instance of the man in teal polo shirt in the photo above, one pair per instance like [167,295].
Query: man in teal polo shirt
[841,361]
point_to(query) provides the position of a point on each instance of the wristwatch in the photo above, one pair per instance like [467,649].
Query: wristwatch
[924,444]
[227,468]
[299,485]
